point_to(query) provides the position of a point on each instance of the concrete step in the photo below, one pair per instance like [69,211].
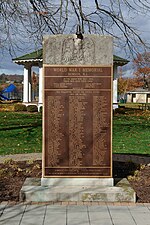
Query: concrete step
[34,192]
[77,182]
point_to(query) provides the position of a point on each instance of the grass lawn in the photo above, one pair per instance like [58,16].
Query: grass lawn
[22,133]
[131,134]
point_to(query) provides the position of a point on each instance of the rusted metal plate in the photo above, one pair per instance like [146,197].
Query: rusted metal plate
[77,121]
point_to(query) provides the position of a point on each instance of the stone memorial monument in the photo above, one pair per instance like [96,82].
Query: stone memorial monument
[77,106]
[77,122]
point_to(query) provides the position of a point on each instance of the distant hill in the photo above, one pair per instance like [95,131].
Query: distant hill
[5,78]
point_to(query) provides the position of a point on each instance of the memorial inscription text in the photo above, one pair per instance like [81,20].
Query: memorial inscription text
[77,121]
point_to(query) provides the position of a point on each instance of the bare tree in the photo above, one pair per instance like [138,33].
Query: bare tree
[26,21]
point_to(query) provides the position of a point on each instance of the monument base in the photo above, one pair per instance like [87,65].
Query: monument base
[77,182]
[33,191]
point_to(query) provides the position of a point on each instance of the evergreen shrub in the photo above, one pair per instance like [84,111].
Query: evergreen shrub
[32,108]
[20,108]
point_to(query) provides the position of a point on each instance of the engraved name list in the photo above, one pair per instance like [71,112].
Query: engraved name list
[77,121]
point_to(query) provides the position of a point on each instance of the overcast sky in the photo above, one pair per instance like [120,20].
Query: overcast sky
[141,22]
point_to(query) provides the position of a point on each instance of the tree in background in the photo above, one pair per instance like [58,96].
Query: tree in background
[122,86]
[34,78]
[142,68]
[128,84]
[25,22]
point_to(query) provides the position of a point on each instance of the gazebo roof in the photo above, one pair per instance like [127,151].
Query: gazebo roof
[30,57]
[120,61]
[37,56]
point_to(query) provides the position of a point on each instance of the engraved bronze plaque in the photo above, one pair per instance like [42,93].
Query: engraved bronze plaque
[77,121]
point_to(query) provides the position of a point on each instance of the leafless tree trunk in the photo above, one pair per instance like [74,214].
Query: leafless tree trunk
[26,21]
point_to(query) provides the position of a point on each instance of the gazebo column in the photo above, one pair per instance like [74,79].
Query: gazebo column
[27,77]
[40,103]
[30,86]
[115,88]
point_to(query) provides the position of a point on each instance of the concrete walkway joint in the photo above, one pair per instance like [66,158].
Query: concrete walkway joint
[89,214]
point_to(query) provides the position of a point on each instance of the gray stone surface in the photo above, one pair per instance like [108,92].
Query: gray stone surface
[138,212]
[77,182]
[75,215]
[2,208]
[34,214]
[69,50]
[99,215]
[121,212]
[12,215]
[33,191]
[55,218]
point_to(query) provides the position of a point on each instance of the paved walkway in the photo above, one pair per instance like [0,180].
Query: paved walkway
[139,159]
[21,157]
[26,214]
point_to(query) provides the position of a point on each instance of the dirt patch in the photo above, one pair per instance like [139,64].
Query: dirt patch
[13,175]
[141,184]
[137,175]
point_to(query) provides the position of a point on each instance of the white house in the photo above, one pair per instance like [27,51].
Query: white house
[139,95]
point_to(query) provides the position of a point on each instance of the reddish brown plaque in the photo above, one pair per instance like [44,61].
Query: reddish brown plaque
[77,121]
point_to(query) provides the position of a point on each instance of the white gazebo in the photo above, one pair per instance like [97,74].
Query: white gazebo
[36,59]
[33,59]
